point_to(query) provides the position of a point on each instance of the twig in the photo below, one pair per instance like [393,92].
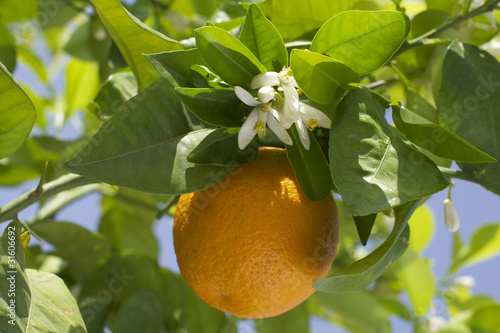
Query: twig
[10,210]
[468,176]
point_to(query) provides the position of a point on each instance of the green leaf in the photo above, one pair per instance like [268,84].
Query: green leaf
[295,320]
[422,228]
[422,112]
[227,56]
[198,316]
[118,89]
[262,38]
[127,221]
[448,6]
[87,252]
[486,319]
[220,147]
[18,11]
[363,40]
[175,66]
[363,272]
[372,167]
[42,301]
[133,272]
[468,105]
[484,244]
[310,167]
[142,311]
[364,225]
[82,79]
[7,49]
[295,19]
[134,38]
[322,79]
[438,140]
[358,311]
[145,146]
[415,275]
[53,308]
[214,106]
[17,114]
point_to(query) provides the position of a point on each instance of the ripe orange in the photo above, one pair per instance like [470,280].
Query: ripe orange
[252,244]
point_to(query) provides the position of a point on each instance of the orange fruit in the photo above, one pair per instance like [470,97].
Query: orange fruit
[252,244]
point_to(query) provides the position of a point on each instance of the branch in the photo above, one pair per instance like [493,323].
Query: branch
[420,40]
[468,176]
[67,182]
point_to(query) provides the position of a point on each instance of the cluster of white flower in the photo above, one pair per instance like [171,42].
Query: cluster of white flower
[277,111]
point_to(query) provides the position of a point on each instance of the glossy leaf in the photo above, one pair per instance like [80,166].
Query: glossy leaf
[322,79]
[484,244]
[134,38]
[220,147]
[86,251]
[363,272]
[310,167]
[363,40]
[214,106]
[262,38]
[438,140]
[175,66]
[422,228]
[118,89]
[372,167]
[468,101]
[17,114]
[364,225]
[145,146]
[415,275]
[295,320]
[227,56]
[142,311]
[43,303]
[296,19]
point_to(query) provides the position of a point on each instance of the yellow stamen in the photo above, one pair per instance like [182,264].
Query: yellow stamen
[260,128]
[312,124]
[300,91]
[264,108]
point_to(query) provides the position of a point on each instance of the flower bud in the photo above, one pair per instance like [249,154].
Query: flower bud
[451,219]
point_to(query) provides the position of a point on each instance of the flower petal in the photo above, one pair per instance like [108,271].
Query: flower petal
[291,99]
[275,113]
[451,219]
[265,79]
[303,134]
[266,94]
[245,96]
[308,112]
[277,129]
[246,133]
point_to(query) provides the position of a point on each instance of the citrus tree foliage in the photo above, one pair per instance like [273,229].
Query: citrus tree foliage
[152,85]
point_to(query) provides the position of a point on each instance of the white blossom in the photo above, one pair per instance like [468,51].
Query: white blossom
[263,113]
[289,110]
[451,219]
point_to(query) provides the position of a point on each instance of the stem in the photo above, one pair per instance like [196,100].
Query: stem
[10,210]
[468,176]
[420,40]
